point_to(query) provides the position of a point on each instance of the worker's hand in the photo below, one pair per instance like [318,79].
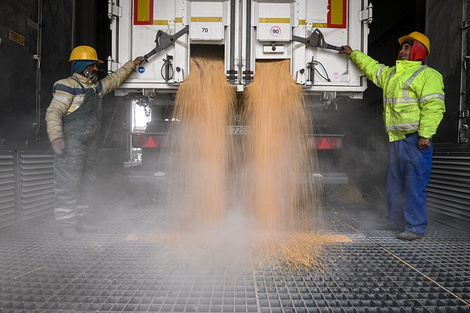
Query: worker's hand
[423,143]
[347,50]
[139,60]
[58,146]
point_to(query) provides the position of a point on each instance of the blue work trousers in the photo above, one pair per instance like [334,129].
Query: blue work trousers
[409,170]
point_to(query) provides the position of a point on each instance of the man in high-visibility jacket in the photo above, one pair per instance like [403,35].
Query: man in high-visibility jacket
[73,125]
[413,98]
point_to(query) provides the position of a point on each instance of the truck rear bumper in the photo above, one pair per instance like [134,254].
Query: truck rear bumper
[318,178]
[330,178]
[146,177]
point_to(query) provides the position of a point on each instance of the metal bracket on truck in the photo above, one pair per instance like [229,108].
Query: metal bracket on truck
[316,39]
[164,40]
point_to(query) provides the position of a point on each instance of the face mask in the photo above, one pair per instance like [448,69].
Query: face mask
[90,75]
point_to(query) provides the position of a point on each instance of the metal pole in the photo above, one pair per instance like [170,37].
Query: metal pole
[248,43]
[37,124]
[73,35]
[463,125]
[232,42]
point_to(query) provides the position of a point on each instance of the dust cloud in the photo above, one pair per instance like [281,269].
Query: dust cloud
[242,200]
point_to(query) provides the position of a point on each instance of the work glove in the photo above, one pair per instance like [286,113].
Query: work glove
[58,145]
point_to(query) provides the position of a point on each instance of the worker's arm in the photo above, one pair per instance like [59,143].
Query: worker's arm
[61,100]
[111,82]
[430,91]
[376,72]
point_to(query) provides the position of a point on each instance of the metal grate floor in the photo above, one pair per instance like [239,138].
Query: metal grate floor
[105,272]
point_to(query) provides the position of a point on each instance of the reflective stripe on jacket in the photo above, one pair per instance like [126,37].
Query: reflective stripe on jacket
[413,95]
[67,95]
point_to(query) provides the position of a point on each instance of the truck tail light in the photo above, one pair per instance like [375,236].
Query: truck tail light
[327,143]
[148,141]
[157,141]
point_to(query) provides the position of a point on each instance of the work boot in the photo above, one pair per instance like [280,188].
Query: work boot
[84,227]
[387,226]
[409,235]
[70,233]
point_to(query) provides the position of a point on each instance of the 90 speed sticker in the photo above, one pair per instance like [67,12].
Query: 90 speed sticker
[275,31]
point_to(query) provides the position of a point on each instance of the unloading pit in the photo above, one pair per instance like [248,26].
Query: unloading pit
[112,271]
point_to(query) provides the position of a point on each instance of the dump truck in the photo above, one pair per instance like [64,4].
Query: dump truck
[309,33]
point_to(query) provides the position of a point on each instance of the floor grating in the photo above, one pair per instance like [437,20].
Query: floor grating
[106,272]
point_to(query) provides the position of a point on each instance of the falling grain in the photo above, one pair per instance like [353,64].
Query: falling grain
[279,183]
[200,144]
[248,199]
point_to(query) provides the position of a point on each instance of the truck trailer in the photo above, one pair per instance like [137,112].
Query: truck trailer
[169,33]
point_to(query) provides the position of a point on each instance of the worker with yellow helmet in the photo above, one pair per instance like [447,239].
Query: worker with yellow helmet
[73,123]
[413,99]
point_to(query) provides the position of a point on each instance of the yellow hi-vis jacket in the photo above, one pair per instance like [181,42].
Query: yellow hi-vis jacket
[413,95]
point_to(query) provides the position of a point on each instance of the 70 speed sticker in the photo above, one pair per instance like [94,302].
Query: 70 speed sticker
[205,31]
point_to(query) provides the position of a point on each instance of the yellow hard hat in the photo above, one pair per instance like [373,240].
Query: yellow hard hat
[85,53]
[418,37]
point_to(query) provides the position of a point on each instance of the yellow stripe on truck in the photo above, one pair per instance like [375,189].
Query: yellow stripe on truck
[314,25]
[160,22]
[166,22]
[207,19]
[274,20]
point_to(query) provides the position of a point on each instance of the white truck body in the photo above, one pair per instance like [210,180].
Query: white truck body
[244,31]
[266,27]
